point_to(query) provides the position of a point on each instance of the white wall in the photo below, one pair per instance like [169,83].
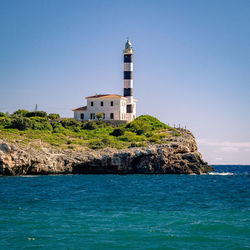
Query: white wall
[77,115]
[118,108]
[131,116]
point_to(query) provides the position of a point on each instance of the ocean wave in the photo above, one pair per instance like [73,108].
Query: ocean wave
[29,176]
[222,173]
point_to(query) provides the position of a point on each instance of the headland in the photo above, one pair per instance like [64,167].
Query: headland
[65,146]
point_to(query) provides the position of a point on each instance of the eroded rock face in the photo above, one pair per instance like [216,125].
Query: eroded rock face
[179,156]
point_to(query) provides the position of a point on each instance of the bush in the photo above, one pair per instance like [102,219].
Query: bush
[2,114]
[139,127]
[100,124]
[99,116]
[57,127]
[21,123]
[20,112]
[96,144]
[36,113]
[53,116]
[40,123]
[70,123]
[131,137]
[5,122]
[118,132]
[153,122]
[90,125]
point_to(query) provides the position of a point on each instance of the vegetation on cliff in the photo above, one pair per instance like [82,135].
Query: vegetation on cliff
[37,128]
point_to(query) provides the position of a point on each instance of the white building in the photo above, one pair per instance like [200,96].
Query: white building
[112,106]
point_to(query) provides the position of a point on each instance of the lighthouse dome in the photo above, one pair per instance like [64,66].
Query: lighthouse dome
[128,47]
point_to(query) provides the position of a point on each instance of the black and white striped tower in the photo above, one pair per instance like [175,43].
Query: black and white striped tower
[128,80]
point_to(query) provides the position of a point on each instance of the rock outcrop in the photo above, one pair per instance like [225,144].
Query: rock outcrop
[178,155]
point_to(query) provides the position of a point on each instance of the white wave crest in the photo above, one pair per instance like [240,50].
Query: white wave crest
[223,173]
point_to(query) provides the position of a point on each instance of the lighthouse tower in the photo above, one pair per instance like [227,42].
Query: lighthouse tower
[128,81]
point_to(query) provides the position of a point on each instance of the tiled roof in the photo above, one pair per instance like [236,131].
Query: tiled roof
[80,109]
[105,96]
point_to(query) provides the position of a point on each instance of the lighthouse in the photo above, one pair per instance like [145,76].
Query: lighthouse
[128,53]
[113,107]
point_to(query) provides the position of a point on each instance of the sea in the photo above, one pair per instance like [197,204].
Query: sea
[209,211]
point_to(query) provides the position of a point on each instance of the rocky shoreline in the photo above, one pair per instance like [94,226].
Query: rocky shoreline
[176,156]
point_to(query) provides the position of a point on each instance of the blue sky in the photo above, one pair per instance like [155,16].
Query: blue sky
[191,63]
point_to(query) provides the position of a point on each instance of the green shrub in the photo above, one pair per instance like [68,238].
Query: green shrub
[118,132]
[20,112]
[101,124]
[36,113]
[131,137]
[151,121]
[96,144]
[156,138]
[57,127]
[90,125]
[176,134]
[40,123]
[99,116]
[70,123]
[107,141]
[2,114]
[53,116]
[21,123]
[139,127]
[76,129]
[5,122]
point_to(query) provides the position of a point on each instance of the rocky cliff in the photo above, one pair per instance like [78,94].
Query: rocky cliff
[177,155]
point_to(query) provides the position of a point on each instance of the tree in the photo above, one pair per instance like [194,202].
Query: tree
[20,112]
[36,113]
[2,114]
[99,116]
[21,123]
[53,116]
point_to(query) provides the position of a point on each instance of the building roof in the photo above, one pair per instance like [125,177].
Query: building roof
[84,108]
[105,96]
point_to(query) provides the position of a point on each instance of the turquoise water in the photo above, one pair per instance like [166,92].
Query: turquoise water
[127,212]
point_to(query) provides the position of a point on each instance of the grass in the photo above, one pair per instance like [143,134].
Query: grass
[68,134]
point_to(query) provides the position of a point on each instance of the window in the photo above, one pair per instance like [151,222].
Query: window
[111,116]
[92,104]
[129,108]
[111,103]
[82,116]
[92,116]
[101,103]
[103,116]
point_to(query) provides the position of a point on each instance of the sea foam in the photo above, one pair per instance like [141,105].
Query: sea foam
[223,173]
